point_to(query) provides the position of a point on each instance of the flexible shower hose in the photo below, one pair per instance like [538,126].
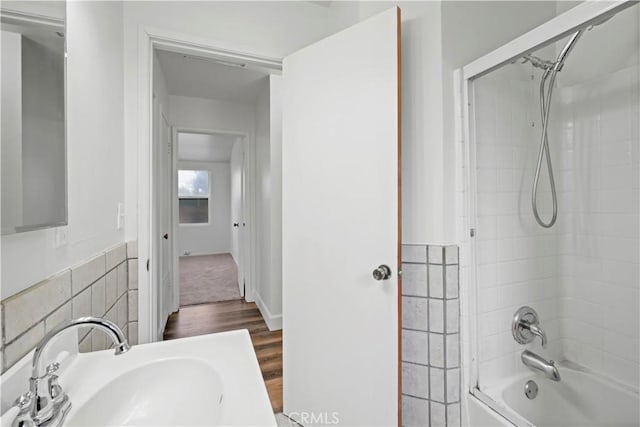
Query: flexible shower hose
[545,108]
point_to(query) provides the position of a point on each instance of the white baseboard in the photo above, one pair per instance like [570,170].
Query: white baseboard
[274,322]
[204,253]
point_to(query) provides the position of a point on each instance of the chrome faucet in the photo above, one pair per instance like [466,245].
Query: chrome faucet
[534,361]
[526,326]
[46,404]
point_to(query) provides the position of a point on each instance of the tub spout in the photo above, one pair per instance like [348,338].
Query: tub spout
[548,368]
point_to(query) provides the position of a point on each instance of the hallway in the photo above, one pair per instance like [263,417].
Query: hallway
[232,315]
[208,279]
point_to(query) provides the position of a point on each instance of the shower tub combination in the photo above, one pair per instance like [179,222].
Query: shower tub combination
[581,399]
[549,227]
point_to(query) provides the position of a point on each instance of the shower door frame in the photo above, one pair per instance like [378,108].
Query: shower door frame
[579,17]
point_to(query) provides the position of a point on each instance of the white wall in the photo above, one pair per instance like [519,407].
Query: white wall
[54,9]
[94,151]
[214,237]
[236,170]
[438,37]
[274,300]
[210,114]
[271,29]
[268,198]
[263,199]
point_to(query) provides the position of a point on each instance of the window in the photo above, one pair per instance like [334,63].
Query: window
[193,196]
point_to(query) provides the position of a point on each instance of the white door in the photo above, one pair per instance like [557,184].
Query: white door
[340,222]
[237,215]
[166,221]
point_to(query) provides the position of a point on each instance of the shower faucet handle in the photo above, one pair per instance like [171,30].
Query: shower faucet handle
[526,326]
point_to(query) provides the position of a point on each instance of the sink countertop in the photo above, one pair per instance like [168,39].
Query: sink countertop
[230,354]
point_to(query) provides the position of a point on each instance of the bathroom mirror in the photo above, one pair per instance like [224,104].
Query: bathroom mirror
[33,147]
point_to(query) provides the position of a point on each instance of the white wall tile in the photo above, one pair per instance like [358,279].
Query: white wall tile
[415,412]
[133,306]
[415,380]
[121,271]
[415,347]
[453,415]
[81,304]
[453,385]
[85,345]
[453,351]
[132,331]
[24,344]
[98,293]
[435,253]
[116,256]
[453,316]
[437,384]
[414,279]
[582,274]
[132,249]
[436,281]
[133,274]
[58,317]
[111,290]
[436,315]
[87,273]
[414,253]
[32,305]
[452,289]
[438,415]
[436,350]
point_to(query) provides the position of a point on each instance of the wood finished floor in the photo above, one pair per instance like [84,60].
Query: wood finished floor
[228,316]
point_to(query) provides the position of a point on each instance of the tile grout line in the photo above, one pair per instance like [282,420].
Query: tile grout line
[444,328]
[43,319]
[427,247]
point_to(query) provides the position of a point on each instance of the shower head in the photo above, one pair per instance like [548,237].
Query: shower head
[567,49]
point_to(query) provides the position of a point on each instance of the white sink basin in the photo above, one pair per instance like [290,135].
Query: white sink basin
[207,380]
[156,394]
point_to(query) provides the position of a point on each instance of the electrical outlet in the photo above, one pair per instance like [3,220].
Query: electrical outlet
[120,217]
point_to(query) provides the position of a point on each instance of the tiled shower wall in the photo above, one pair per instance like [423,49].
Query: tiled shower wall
[105,286]
[430,336]
[582,275]
[599,222]
[517,260]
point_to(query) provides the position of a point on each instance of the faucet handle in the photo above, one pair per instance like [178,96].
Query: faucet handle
[24,404]
[53,368]
[24,400]
[526,326]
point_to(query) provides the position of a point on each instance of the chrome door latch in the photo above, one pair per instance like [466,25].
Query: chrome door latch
[383,272]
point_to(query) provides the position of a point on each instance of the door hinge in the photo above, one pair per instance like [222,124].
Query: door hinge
[147,264]
[472,232]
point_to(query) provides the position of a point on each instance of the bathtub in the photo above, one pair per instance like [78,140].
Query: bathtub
[580,399]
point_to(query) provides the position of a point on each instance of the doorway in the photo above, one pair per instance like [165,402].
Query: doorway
[328,308]
[221,202]
[208,238]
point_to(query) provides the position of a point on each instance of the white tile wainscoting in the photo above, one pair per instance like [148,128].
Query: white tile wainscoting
[104,286]
[430,336]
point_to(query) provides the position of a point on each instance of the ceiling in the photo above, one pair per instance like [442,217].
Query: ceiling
[204,147]
[203,78]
